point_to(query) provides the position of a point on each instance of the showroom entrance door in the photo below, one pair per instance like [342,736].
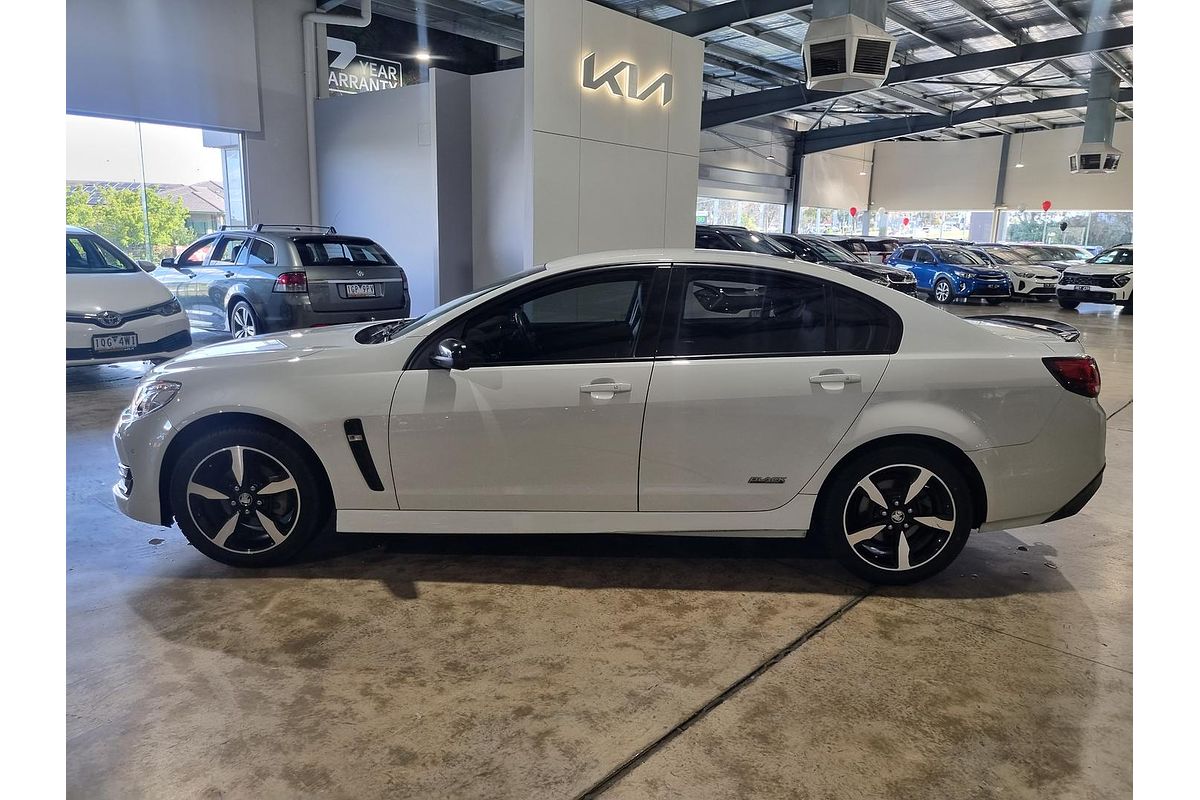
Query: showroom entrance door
[548,414]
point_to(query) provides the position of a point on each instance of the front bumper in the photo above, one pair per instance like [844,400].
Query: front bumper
[140,444]
[158,337]
[977,287]
[1094,295]
[1034,287]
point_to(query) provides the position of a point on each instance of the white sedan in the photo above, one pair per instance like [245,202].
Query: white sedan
[115,311]
[679,391]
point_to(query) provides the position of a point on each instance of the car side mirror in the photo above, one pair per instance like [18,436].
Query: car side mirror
[146,266]
[450,354]
[168,262]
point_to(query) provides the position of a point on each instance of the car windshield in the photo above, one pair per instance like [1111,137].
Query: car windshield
[88,254]
[956,255]
[388,332]
[832,252]
[324,251]
[758,243]
[1119,256]
[1003,256]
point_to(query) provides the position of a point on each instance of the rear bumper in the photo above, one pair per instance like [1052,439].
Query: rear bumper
[297,312]
[1076,503]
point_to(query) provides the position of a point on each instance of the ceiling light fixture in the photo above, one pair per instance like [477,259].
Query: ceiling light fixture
[424,57]
[1020,152]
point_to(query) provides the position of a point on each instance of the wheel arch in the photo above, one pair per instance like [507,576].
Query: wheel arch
[239,291]
[204,425]
[947,449]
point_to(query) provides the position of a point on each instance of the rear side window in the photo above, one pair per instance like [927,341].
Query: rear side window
[325,251]
[729,311]
[863,325]
[261,254]
[908,254]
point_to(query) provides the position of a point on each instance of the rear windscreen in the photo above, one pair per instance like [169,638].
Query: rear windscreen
[335,251]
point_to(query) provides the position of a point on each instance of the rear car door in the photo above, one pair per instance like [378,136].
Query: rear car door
[352,273]
[548,415]
[759,374]
[220,273]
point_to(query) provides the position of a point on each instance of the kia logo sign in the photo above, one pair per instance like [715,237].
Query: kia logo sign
[611,78]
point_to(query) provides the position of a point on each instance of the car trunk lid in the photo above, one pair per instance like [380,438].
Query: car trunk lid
[350,273]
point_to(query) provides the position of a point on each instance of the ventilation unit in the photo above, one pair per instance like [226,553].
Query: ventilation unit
[846,48]
[1096,154]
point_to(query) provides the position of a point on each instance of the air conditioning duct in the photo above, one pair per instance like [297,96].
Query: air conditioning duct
[1096,155]
[846,48]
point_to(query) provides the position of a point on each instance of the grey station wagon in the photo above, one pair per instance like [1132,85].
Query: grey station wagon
[277,277]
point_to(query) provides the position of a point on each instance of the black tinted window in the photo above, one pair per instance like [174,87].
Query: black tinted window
[862,325]
[908,254]
[728,311]
[591,318]
[345,251]
[1121,256]
[260,253]
[707,240]
[757,243]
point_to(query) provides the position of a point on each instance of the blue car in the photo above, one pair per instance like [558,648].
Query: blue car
[948,272]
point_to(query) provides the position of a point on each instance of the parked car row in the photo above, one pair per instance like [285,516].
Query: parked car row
[953,270]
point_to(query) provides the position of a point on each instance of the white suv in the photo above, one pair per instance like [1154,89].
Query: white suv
[1105,278]
[692,391]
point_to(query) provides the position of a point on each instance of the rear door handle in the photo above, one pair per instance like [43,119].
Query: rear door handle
[835,377]
[606,388]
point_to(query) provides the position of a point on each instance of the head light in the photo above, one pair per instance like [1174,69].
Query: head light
[964,273]
[1123,278]
[880,281]
[151,396]
[167,309]
[1023,274]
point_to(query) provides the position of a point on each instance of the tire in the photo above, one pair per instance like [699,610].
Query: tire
[1127,306]
[1070,305]
[994,301]
[207,496]
[943,292]
[243,322]
[847,508]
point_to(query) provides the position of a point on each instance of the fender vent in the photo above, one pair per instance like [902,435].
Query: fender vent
[362,453]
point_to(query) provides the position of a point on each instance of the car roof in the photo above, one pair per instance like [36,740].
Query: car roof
[77,229]
[671,256]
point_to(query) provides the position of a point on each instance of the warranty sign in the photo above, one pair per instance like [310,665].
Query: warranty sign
[351,73]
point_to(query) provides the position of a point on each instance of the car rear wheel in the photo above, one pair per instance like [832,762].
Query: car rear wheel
[243,322]
[943,292]
[245,497]
[896,515]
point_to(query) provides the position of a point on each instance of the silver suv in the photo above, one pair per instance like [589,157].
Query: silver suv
[276,277]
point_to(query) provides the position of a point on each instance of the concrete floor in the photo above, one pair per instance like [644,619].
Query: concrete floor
[529,667]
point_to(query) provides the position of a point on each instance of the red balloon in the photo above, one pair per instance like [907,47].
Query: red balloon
[1045,205]
[904,221]
[853,211]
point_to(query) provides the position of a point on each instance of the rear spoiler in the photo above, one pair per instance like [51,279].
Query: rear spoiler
[1060,329]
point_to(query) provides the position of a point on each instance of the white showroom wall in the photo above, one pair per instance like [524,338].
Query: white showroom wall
[833,179]
[499,174]
[608,171]
[1045,175]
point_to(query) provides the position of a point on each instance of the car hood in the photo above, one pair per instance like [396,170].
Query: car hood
[980,272]
[1038,270]
[873,269]
[335,341]
[1099,269]
[119,291]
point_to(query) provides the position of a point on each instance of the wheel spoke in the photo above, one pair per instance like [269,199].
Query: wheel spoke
[271,528]
[285,485]
[226,531]
[918,485]
[238,454]
[902,552]
[868,486]
[863,535]
[936,522]
[207,492]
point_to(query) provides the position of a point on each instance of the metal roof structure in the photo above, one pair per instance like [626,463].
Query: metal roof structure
[754,47]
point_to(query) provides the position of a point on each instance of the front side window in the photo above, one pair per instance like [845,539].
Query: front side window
[757,243]
[91,254]
[924,257]
[1121,256]
[957,255]
[707,240]
[194,256]
[591,318]
[730,311]
[832,252]
[908,254]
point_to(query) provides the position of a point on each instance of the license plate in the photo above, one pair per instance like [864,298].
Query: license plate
[114,342]
[360,290]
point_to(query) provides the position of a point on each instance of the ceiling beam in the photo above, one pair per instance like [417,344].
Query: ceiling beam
[771,101]
[848,135]
[724,15]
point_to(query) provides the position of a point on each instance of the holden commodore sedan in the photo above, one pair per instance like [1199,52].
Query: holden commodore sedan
[678,391]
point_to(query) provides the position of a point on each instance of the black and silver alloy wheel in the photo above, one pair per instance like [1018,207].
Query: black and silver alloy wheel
[243,322]
[942,291]
[897,514]
[243,500]
[248,496]
[899,517]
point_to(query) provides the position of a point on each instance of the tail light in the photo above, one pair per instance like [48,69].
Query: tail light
[1078,374]
[291,282]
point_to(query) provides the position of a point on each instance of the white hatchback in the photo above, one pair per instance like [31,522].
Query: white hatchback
[115,311]
[679,391]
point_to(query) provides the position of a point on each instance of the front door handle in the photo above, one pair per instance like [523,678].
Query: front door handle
[605,389]
[230,274]
[835,377]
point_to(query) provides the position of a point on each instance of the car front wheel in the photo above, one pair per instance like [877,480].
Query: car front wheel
[245,497]
[994,301]
[942,291]
[896,515]
[1070,305]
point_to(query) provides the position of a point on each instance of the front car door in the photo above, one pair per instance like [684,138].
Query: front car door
[924,267]
[759,374]
[548,415]
[220,273]
[182,279]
